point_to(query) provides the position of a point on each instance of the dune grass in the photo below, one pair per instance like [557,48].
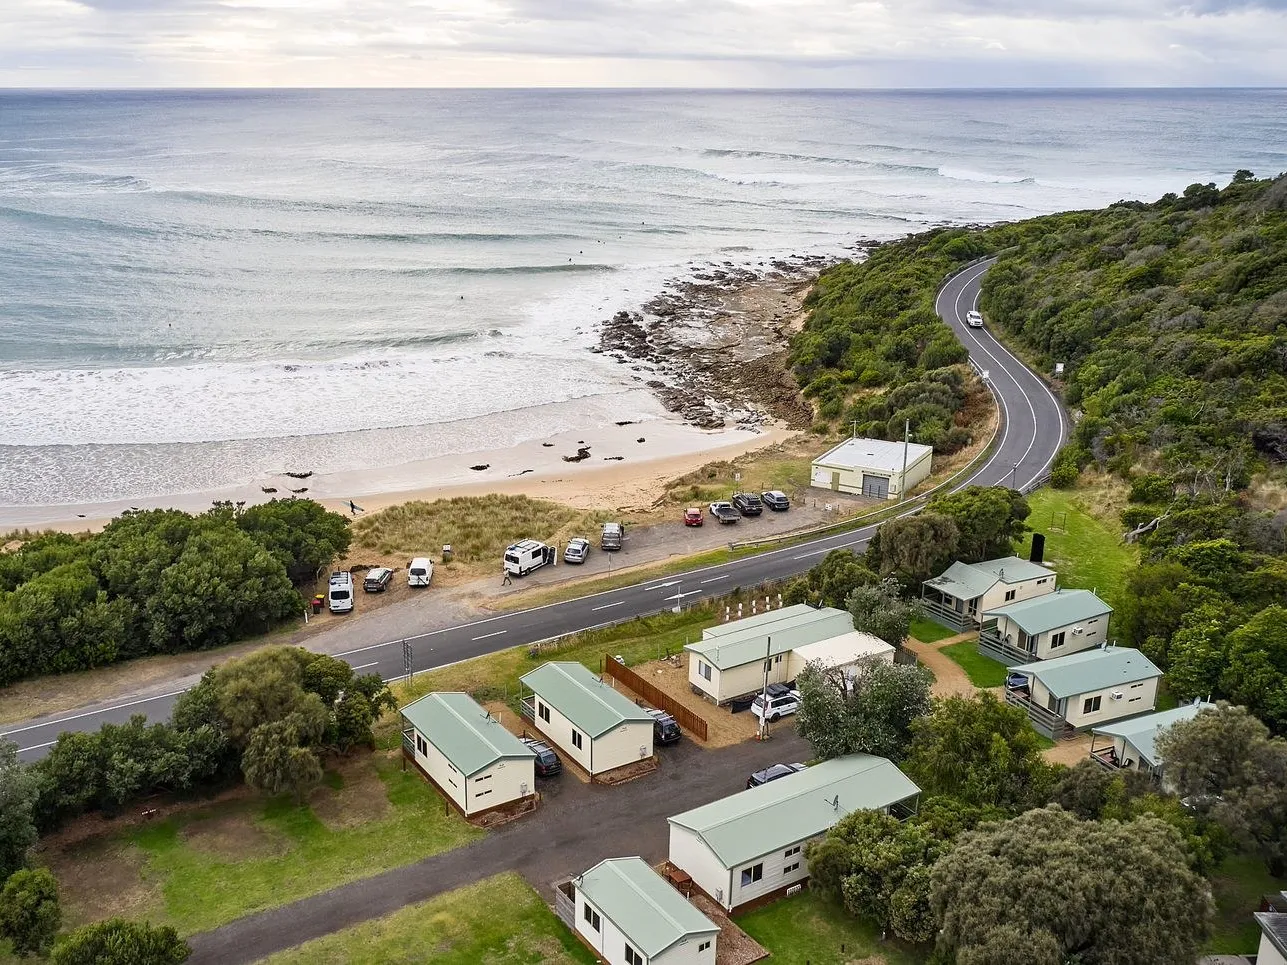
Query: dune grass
[1084,538]
[500,921]
[982,671]
[806,929]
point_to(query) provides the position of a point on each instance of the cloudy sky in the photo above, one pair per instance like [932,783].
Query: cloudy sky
[687,43]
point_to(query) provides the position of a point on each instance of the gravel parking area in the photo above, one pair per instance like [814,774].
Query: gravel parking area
[722,727]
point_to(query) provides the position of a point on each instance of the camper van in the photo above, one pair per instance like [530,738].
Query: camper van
[527,555]
[420,571]
[339,597]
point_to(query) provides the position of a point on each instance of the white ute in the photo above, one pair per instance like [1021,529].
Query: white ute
[974,319]
[420,571]
[339,596]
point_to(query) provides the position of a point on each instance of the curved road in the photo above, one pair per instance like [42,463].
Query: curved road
[1032,430]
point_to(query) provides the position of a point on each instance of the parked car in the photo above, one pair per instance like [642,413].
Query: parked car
[776,500]
[339,592]
[778,706]
[693,516]
[748,504]
[772,773]
[665,729]
[547,762]
[420,571]
[377,580]
[527,555]
[578,549]
[1016,681]
[612,536]
[974,319]
[725,512]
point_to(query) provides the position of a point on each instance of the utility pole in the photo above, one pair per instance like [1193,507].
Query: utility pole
[764,694]
[907,437]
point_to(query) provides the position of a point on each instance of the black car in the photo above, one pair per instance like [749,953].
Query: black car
[748,504]
[725,512]
[772,773]
[547,762]
[665,729]
[377,580]
[776,500]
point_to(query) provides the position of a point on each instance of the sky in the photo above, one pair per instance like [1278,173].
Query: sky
[642,43]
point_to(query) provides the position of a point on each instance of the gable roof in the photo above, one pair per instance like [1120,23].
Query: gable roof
[1054,610]
[581,697]
[965,581]
[465,733]
[1273,925]
[651,914]
[755,642]
[1141,732]
[760,620]
[879,454]
[1080,673]
[761,820]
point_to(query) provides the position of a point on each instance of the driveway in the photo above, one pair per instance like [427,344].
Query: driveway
[576,826]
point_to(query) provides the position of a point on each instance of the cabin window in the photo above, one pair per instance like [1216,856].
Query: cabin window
[422,746]
[1057,639]
[752,874]
[482,793]
[1089,622]
[704,669]
[633,957]
[1136,686]
[592,917]
[576,739]
[703,946]
[485,777]
[1009,595]
[543,712]
[1044,579]
[791,867]
[791,851]
[1090,705]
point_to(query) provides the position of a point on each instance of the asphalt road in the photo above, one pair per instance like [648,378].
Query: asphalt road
[1033,427]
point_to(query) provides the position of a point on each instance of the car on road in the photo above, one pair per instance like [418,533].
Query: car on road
[776,500]
[772,773]
[779,705]
[420,571]
[665,729]
[974,319]
[577,550]
[377,580]
[339,592]
[748,504]
[693,516]
[725,512]
[547,762]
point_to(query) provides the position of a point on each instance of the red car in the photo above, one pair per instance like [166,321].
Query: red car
[693,517]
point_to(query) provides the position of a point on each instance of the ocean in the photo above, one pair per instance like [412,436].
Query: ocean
[198,288]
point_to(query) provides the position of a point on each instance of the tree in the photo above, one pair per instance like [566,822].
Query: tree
[981,751]
[18,793]
[266,687]
[1256,675]
[121,942]
[831,581]
[989,520]
[869,712]
[881,611]
[301,534]
[1099,893]
[29,913]
[276,763]
[913,548]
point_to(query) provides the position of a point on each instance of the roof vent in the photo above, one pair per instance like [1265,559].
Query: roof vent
[835,803]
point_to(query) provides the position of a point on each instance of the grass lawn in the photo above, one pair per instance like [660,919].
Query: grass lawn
[982,671]
[205,867]
[930,631]
[807,930]
[1086,547]
[1237,885]
[500,921]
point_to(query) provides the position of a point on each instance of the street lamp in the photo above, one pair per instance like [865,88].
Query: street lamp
[1013,470]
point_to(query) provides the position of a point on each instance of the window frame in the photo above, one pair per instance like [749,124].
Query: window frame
[1097,701]
[752,874]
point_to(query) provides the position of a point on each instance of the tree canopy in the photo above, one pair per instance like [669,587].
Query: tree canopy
[881,610]
[870,711]
[29,912]
[830,582]
[18,794]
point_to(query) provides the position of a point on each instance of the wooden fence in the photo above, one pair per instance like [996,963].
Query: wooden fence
[655,696]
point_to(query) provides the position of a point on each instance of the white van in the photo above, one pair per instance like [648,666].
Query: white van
[339,597]
[420,571]
[527,555]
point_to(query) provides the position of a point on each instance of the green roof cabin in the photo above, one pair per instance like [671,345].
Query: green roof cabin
[1044,627]
[965,591]
[1131,744]
[1085,690]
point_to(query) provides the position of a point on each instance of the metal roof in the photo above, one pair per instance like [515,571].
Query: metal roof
[875,454]
[1080,673]
[759,620]
[1273,925]
[581,697]
[757,641]
[651,914]
[776,815]
[1141,732]
[965,581]
[1054,610]
[465,733]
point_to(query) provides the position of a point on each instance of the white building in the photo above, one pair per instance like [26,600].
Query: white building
[594,725]
[872,467]
[730,660]
[629,915]
[965,591]
[1044,627]
[471,758]
[1132,744]
[1082,690]
[750,846]
[1273,933]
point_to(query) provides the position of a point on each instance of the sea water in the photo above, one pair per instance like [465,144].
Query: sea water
[197,288]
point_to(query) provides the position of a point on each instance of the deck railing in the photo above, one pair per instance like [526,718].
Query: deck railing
[1044,721]
[993,645]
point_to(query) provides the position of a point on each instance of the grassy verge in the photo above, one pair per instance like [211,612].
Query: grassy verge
[929,631]
[807,930]
[1083,538]
[982,671]
[1237,886]
[462,927]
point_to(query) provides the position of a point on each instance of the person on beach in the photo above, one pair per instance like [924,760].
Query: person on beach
[354,508]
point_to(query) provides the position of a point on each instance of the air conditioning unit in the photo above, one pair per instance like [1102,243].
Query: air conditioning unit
[794,890]
[1117,695]
[1078,631]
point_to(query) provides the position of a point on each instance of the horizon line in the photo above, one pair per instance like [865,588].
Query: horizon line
[652,89]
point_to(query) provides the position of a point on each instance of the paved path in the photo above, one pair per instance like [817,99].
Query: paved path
[577,826]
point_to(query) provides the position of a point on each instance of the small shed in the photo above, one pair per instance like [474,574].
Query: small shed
[594,725]
[472,759]
[872,467]
[629,915]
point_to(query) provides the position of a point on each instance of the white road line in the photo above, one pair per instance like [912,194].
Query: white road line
[606,606]
[89,713]
[722,576]
[496,634]
[373,663]
[36,747]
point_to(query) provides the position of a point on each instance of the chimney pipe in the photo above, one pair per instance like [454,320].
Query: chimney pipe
[1038,548]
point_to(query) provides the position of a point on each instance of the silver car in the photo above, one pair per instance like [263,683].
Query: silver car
[578,549]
